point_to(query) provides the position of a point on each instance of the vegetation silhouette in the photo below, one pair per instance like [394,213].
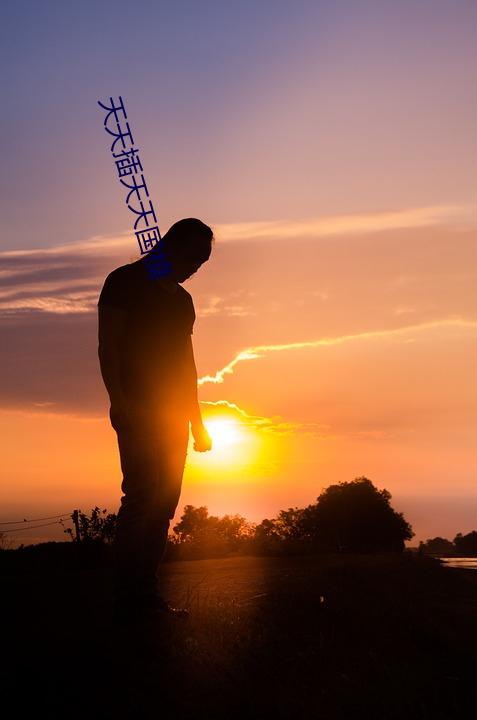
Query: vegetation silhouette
[358,517]
[466,545]
[351,516]
[99,526]
[437,546]
[461,546]
[200,535]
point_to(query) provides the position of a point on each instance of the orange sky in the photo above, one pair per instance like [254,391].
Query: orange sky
[336,354]
[331,148]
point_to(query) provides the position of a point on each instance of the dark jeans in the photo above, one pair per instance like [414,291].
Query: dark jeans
[153,452]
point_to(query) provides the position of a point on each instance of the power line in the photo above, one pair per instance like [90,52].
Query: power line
[30,527]
[21,522]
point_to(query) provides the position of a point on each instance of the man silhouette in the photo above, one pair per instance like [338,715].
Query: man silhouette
[147,364]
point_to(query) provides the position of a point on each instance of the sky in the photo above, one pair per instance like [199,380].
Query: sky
[331,146]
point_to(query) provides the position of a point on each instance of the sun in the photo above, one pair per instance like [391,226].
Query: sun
[222,432]
[235,449]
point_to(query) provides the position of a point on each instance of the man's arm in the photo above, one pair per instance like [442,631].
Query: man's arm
[199,433]
[111,328]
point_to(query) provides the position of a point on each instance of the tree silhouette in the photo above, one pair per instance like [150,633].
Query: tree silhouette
[199,534]
[288,525]
[466,545]
[437,546]
[193,521]
[357,517]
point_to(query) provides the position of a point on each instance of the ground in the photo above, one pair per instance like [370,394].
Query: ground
[327,637]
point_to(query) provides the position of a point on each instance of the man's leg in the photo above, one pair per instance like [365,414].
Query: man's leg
[172,451]
[155,543]
[152,460]
[139,466]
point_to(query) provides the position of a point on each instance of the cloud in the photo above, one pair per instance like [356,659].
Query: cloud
[259,351]
[69,303]
[59,280]
[66,279]
[338,225]
[228,369]
[273,426]
[229,306]
[250,302]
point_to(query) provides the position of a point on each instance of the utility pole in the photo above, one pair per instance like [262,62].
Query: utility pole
[76,524]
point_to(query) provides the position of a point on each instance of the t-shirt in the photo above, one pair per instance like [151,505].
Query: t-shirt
[157,331]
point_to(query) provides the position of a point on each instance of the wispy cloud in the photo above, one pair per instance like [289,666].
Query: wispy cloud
[67,278]
[274,425]
[259,351]
[339,225]
[340,290]
[233,305]
[60,280]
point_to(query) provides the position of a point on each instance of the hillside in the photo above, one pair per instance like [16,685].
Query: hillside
[329,637]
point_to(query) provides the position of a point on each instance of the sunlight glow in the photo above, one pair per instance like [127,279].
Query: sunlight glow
[222,432]
[235,449]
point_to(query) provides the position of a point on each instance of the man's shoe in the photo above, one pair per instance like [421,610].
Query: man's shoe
[159,605]
[145,608]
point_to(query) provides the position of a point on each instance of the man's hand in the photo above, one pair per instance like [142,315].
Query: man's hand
[202,439]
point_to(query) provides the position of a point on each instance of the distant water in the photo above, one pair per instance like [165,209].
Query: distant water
[467,563]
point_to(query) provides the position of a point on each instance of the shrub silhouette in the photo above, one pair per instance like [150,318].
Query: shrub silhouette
[100,526]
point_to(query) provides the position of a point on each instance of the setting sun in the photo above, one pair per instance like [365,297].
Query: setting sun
[222,432]
[236,448]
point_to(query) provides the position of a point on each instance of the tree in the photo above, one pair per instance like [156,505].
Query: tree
[357,517]
[286,534]
[437,546]
[290,526]
[199,534]
[193,521]
[267,535]
[235,531]
[466,545]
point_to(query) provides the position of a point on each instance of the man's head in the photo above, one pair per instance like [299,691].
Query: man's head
[188,244]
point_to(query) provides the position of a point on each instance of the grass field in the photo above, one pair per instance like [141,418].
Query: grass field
[329,637]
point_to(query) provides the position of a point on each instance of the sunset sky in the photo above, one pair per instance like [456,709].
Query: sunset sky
[332,146]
